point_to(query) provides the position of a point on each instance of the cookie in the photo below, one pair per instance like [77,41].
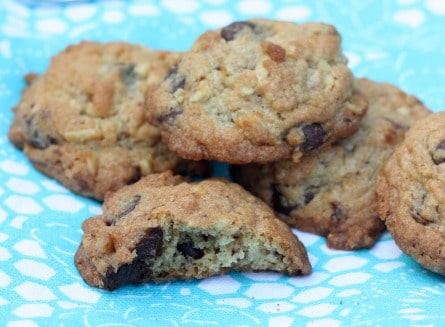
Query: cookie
[164,228]
[257,91]
[411,193]
[332,193]
[82,121]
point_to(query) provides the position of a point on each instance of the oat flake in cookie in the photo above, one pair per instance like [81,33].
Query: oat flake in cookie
[82,121]
[257,91]
[332,193]
[411,193]
[165,228]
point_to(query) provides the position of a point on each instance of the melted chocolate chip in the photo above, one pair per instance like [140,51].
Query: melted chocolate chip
[439,155]
[418,217]
[169,116]
[188,250]
[278,199]
[229,32]
[309,194]
[137,175]
[129,207]
[314,136]
[40,140]
[37,138]
[135,272]
[151,244]
[337,213]
[177,80]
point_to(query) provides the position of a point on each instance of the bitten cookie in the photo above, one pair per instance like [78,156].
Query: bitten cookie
[165,228]
[82,121]
[411,193]
[332,193]
[257,91]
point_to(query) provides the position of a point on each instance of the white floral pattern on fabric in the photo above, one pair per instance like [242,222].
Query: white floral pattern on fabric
[401,42]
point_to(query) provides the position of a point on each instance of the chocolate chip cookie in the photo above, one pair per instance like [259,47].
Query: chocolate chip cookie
[82,121]
[411,193]
[332,193]
[164,228]
[257,91]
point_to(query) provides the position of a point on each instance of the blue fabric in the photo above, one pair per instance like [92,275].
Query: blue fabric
[401,42]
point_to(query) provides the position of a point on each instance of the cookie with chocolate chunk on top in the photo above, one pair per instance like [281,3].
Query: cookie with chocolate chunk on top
[82,121]
[165,228]
[257,91]
[332,193]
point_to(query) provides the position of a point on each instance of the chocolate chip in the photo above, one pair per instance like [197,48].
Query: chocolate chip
[229,32]
[128,207]
[309,194]
[151,244]
[41,140]
[169,116]
[135,272]
[177,80]
[314,136]
[337,213]
[188,250]
[278,199]
[439,155]
[137,175]
[418,217]
[37,138]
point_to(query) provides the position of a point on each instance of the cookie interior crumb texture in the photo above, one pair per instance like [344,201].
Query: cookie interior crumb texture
[164,228]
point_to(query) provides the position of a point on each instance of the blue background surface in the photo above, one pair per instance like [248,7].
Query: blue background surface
[401,42]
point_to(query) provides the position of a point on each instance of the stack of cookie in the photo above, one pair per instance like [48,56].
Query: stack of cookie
[273,99]
[278,98]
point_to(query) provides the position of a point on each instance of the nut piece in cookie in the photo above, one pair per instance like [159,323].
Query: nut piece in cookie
[332,193]
[411,193]
[164,228]
[257,91]
[82,122]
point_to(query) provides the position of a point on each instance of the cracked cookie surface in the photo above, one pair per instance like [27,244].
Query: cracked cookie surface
[82,121]
[164,227]
[257,91]
[411,193]
[332,193]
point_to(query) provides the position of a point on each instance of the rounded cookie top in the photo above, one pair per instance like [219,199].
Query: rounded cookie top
[82,121]
[332,192]
[411,193]
[257,91]
[164,227]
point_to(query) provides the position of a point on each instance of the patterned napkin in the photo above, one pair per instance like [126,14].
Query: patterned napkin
[401,42]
